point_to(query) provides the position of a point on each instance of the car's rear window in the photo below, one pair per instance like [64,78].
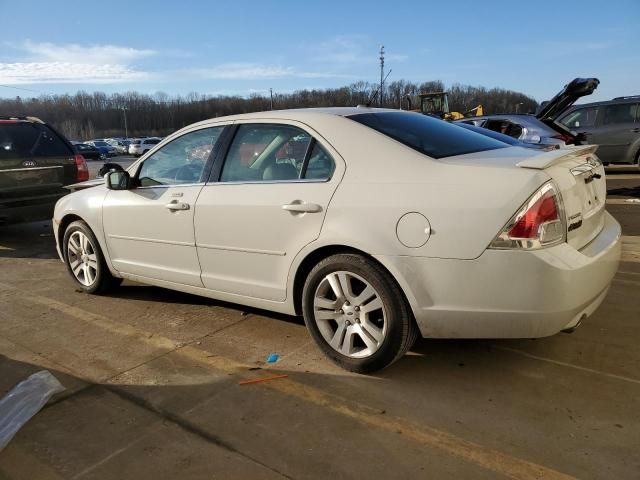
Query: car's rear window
[431,136]
[29,140]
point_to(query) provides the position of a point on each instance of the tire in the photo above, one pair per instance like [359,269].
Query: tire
[367,337]
[93,275]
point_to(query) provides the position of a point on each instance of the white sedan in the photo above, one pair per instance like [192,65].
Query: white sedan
[376,225]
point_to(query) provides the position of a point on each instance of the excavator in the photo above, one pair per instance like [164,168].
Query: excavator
[437,104]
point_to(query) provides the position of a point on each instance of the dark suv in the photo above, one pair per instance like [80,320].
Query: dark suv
[36,163]
[612,124]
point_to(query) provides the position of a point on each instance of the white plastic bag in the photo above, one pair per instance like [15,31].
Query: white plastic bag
[24,401]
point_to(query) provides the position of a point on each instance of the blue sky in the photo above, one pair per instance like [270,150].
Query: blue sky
[242,47]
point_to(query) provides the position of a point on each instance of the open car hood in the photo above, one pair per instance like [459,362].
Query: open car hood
[575,89]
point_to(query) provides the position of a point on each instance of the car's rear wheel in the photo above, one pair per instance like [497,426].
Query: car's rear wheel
[85,261]
[357,313]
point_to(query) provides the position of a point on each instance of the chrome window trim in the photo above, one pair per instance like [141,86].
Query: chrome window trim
[30,169]
[177,185]
[266,182]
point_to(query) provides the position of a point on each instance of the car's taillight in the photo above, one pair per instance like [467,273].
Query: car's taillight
[539,223]
[82,174]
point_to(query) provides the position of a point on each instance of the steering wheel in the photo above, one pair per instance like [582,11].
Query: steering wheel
[188,173]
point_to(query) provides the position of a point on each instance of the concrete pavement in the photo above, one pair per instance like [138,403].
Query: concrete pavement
[152,389]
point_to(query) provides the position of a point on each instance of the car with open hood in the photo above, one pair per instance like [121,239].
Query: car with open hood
[377,226]
[542,127]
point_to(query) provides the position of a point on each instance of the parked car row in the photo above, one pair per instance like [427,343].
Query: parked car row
[109,147]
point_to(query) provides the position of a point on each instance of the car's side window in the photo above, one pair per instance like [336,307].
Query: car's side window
[619,114]
[320,165]
[181,161]
[266,152]
[584,117]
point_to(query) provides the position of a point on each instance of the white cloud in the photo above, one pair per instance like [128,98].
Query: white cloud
[83,54]
[73,63]
[253,71]
[65,72]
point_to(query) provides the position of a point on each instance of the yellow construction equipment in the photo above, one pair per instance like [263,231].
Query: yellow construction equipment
[437,103]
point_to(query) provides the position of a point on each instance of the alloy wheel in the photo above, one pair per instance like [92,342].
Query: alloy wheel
[82,258]
[350,314]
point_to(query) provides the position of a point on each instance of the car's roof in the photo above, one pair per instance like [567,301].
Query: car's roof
[19,119]
[302,114]
[613,101]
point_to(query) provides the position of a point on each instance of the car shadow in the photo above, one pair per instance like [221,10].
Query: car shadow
[146,293]
[28,240]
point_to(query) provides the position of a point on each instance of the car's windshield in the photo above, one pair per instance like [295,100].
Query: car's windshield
[101,144]
[431,136]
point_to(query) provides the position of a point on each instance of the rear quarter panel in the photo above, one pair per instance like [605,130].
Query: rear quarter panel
[466,205]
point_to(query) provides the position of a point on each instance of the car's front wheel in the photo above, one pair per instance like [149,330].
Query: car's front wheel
[357,313]
[85,261]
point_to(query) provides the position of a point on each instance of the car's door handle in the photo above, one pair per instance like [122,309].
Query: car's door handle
[299,207]
[176,205]
[635,130]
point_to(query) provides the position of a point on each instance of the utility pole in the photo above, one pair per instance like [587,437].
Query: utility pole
[271,93]
[381,73]
[126,130]
[518,106]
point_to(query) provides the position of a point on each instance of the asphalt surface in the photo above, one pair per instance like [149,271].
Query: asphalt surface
[153,391]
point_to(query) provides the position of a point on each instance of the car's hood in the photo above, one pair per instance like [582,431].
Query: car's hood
[88,184]
[575,89]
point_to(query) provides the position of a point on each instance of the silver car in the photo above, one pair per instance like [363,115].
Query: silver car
[541,128]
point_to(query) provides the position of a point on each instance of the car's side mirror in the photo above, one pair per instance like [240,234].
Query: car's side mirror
[117,180]
[108,167]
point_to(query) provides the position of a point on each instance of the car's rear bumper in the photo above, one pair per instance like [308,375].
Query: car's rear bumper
[510,294]
[28,209]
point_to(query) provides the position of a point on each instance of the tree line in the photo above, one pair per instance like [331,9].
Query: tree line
[83,115]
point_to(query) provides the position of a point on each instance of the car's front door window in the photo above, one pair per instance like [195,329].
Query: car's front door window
[181,161]
[265,152]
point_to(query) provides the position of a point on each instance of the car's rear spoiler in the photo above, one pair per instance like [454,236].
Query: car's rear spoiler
[547,159]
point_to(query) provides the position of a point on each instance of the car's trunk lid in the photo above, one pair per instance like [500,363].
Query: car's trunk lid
[581,179]
[565,98]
